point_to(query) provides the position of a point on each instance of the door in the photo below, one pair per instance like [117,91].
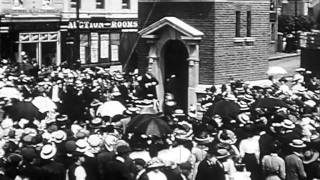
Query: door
[176,72]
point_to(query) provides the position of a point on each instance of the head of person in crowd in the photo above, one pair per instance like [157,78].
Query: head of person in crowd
[297,146]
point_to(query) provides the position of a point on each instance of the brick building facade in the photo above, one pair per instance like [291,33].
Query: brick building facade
[235,40]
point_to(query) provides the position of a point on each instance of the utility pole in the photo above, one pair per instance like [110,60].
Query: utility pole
[77,33]
[296,38]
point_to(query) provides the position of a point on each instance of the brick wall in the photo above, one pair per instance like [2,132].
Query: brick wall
[219,56]
[236,59]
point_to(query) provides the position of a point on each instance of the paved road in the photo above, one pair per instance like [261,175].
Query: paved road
[289,64]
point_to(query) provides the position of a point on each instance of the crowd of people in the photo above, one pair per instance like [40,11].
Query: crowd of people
[269,131]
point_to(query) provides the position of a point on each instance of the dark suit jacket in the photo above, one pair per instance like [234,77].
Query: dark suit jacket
[208,171]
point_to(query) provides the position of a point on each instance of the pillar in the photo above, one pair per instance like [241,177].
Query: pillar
[193,62]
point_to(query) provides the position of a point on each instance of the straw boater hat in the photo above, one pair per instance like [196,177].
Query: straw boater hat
[227,137]
[48,151]
[222,153]
[203,139]
[184,131]
[94,140]
[82,145]
[178,112]
[310,156]
[62,118]
[287,124]
[59,136]
[155,163]
[297,143]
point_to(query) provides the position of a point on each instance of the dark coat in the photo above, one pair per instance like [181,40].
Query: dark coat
[208,171]
[53,171]
[33,172]
[118,170]
[91,167]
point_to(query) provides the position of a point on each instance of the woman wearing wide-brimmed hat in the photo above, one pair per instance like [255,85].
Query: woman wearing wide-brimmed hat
[311,164]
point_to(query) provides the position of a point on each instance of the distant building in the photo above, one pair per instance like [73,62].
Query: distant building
[45,30]
[289,7]
[108,30]
[203,42]
[32,27]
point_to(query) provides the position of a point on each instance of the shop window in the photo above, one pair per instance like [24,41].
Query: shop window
[84,48]
[248,23]
[99,47]
[73,3]
[100,4]
[17,3]
[238,19]
[125,4]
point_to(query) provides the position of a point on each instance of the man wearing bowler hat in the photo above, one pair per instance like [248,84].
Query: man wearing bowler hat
[211,167]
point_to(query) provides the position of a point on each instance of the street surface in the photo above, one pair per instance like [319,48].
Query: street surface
[288,63]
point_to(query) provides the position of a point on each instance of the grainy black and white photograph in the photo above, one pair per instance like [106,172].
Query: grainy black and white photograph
[159,89]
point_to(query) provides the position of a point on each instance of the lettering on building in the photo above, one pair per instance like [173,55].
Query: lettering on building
[127,24]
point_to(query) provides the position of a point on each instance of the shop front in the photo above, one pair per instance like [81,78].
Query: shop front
[102,41]
[32,33]
[42,47]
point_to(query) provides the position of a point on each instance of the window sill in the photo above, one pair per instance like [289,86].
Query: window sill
[250,39]
[239,39]
[246,41]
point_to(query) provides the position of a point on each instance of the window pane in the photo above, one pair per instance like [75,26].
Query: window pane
[248,23]
[100,4]
[125,4]
[104,46]
[115,42]
[84,48]
[238,16]
[115,38]
[94,47]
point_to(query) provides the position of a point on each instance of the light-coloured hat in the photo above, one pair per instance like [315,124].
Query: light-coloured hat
[178,112]
[222,153]
[227,137]
[310,156]
[82,145]
[243,118]
[110,141]
[300,70]
[288,124]
[297,143]
[154,163]
[6,123]
[94,140]
[48,151]
[59,136]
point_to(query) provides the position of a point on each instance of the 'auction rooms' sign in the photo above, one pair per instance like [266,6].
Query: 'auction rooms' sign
[123,24]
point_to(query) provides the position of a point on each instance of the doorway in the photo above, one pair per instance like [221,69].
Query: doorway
[176,73]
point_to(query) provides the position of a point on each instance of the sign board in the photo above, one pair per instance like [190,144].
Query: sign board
[114,24]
